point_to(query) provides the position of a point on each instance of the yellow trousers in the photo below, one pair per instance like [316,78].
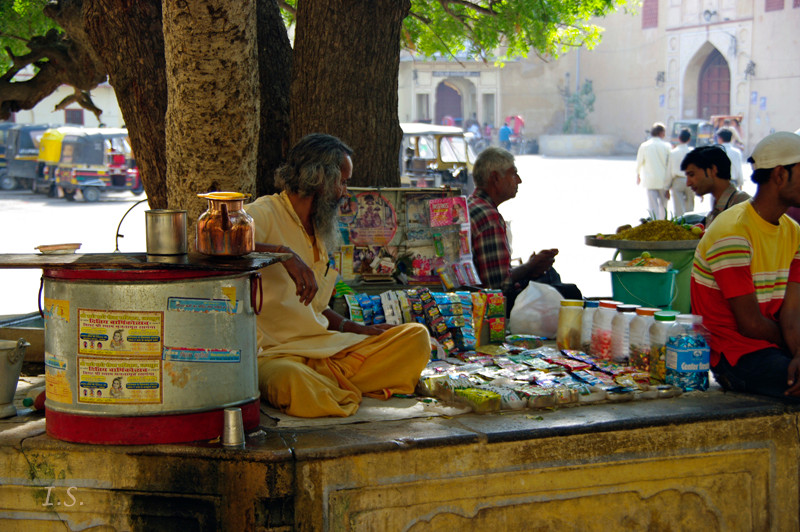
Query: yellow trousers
[378,366]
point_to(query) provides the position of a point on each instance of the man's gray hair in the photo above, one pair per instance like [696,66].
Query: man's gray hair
[312,162]
[492,159]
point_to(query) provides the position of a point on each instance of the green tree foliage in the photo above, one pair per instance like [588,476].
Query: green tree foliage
[502,29]
[19,21]
[497,29]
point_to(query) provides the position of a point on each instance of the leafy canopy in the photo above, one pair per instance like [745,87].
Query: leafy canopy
[19,21]
[497,29]
[501,29]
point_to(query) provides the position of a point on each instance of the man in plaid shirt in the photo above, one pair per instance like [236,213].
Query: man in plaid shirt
[496,180]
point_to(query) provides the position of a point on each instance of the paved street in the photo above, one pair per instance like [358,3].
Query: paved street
[559,201]
[30,220]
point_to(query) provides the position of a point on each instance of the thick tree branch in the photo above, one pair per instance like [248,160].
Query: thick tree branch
[287,7]
[82,98]
[488,11]
[427,22]
[455,16]
[59,60]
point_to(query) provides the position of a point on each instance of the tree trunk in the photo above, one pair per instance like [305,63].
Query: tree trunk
[274,67]
[213,114]
[336,42]
[127,36]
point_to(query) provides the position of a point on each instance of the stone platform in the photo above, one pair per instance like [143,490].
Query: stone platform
[710,461]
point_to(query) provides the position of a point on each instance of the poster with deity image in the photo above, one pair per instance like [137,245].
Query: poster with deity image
[375,220]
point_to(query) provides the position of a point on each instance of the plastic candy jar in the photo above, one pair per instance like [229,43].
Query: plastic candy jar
[688,354]
[640,338]
[568,334]
[658,343]
[620,332]
[601,329]
[589,308]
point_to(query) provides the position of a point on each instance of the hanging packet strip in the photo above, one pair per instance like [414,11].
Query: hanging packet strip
[366,307]
[356,314]
[496,304]
[378,315]
[441,212]
[391,307]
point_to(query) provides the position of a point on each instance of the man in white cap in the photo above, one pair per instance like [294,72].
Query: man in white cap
[746,279]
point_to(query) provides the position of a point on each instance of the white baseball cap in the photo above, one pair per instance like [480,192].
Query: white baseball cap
[778,149]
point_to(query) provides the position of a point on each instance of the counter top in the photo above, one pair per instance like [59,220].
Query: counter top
[140,261]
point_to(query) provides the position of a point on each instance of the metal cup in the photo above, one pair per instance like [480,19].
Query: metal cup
[166,232]
[233,428]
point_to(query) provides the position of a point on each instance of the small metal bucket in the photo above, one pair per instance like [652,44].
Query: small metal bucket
[11,357]
[166,232]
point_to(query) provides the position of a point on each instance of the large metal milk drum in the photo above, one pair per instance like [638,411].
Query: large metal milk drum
[148,356]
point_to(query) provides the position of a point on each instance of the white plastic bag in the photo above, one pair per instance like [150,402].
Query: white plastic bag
[536,311]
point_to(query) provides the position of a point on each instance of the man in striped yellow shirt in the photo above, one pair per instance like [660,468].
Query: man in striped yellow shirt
[746,279]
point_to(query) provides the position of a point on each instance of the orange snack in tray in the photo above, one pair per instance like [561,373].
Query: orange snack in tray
[649,261]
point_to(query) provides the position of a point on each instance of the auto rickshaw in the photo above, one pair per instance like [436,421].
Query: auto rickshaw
[94,161]
[49,156]
[434,155]
[6,183]
[702,132]
[22,154]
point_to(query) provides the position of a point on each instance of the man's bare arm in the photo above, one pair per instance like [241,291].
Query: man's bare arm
[751,323]
[790,327]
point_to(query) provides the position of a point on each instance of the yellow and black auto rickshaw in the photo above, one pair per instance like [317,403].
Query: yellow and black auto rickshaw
[6,183]
[22,154]
[49,157]
[432,156]
[94,161]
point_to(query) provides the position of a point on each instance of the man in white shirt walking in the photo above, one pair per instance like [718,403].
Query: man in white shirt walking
[651,170]
[682,195]
[724,136]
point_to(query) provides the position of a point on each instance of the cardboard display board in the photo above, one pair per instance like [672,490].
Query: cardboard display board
[423,232]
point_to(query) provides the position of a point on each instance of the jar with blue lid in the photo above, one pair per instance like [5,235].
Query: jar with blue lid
[688,354]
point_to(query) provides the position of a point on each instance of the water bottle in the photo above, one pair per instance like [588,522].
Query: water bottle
[589,309]
[640,338]
[658,343]
[620,333]
[688,354]
[568,334]
[601,329]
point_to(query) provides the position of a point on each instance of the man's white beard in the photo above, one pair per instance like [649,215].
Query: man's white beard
[326,220]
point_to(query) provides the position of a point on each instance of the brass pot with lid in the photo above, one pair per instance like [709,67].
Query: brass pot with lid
[225,229]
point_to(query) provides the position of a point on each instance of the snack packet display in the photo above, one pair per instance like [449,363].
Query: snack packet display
[509,400]
[495,304]
[366,307]
[356,314]
[497,329]
[479,301]
[391,307]
[481,401]
[528,341]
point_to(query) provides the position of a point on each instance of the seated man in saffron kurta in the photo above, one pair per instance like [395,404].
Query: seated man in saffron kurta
[313,362]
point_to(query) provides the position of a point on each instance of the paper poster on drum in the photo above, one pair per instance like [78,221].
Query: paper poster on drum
[56,383]
[115,332]
[119,380]
[56,309]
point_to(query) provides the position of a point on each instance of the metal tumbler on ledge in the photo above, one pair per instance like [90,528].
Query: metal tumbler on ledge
[233,428]
[166,232]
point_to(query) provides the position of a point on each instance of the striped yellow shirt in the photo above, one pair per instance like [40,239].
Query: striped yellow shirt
[741,253]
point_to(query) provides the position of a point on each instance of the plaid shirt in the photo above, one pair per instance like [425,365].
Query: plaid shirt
[490,248]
